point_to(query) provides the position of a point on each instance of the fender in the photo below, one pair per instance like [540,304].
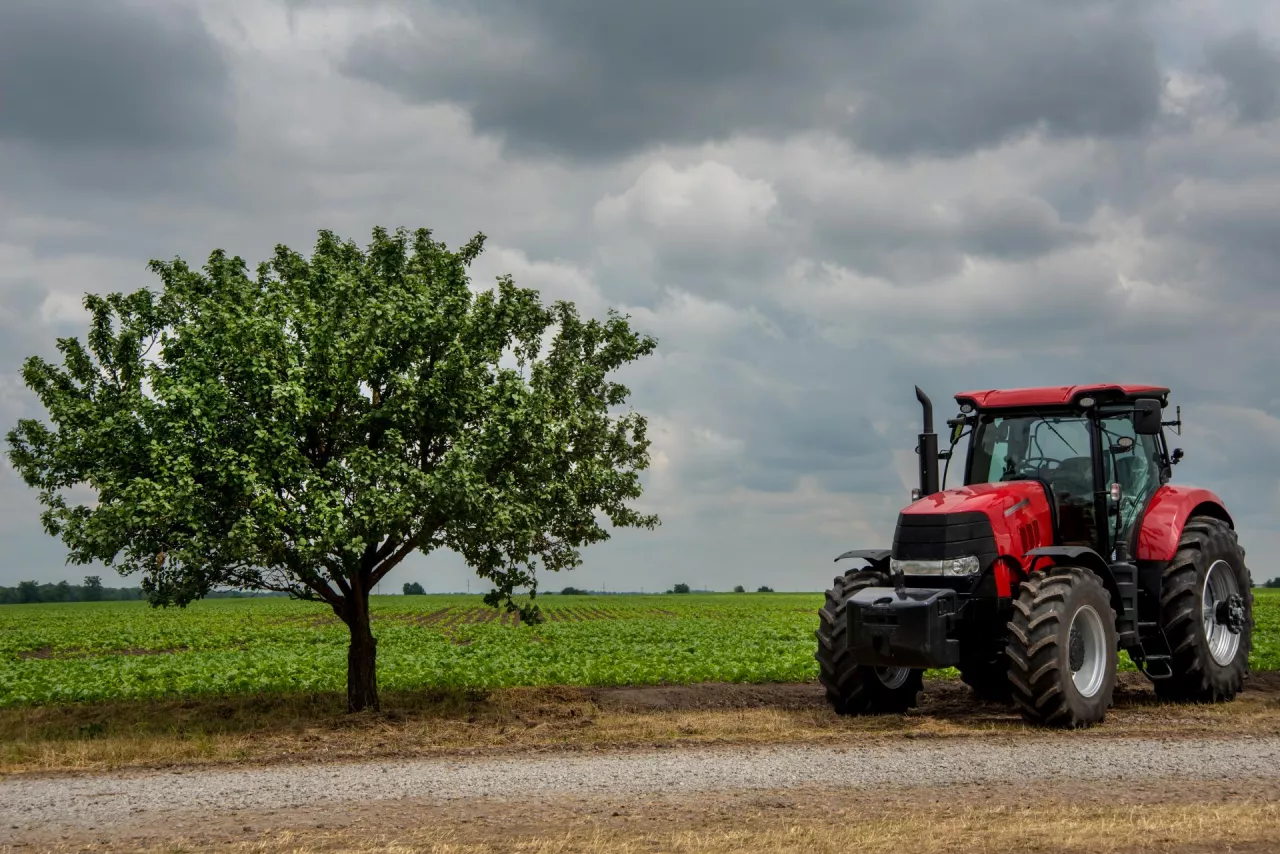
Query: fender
[878,558]
[1167,512]
[1085,557]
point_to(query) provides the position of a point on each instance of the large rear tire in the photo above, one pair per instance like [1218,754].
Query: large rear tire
[854,689]
[1063,648]
[1205,593]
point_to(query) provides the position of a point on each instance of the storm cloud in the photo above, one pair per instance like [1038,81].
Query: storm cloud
[603,78]
[111,73]
[813,206]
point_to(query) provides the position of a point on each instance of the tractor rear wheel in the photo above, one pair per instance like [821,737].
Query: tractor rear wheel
[854,689]
[1207,615]
[1063,648]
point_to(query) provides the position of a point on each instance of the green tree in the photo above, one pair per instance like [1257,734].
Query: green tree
[764,589]
[28,592]
[413,588]
[680,588]
[62,591]
[92,588]
[739,589]
[306,428]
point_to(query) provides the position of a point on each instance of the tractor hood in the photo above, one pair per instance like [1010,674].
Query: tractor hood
[995,500]
[986,519]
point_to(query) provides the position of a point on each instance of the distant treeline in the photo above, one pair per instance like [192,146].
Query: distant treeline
[30,592]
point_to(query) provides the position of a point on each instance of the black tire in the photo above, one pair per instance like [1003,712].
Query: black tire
[854,689]
[1045,653]
[985,669]
[1197,676]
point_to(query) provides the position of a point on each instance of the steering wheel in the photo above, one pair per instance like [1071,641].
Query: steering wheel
[1027,467]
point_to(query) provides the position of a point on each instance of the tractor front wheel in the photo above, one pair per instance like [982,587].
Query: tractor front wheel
[854,689]
[1207,615]
[1063,648]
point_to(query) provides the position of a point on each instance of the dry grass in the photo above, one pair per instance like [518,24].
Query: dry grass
[974,831]
[272,729]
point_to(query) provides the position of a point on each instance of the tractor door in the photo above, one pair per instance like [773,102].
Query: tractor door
[1133,461]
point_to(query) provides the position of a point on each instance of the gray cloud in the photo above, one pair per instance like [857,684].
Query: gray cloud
[110,73]
[599,79]
[1250,69]
[801,266]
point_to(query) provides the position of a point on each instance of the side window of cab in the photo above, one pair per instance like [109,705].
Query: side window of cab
[1136,469]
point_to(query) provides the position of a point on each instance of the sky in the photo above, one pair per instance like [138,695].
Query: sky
[813,206]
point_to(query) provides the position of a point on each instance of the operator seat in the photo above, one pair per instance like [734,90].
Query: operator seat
[1072,483]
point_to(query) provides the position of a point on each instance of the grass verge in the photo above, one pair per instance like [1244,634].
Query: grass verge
[314,728]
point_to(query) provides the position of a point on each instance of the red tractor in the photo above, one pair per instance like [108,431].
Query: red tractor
[1065,544]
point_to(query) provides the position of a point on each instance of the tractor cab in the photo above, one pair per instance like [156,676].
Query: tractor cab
[1099,454]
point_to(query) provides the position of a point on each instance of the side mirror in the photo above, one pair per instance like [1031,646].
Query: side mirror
[1146,417]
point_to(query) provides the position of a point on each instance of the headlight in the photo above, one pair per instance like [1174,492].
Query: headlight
[961,566]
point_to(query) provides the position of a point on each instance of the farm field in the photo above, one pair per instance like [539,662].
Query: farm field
[88,652]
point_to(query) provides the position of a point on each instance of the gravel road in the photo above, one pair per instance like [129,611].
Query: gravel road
[104,801]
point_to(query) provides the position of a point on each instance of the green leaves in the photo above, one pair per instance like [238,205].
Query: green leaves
[305,428]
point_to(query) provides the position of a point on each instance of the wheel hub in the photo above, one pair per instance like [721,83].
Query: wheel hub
[1075,650]
[893,677]
[1230,613]
[1222,612]
[1087,651]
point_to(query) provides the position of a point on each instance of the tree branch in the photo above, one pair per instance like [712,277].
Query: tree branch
[339,578]
[389,563]
[324,591]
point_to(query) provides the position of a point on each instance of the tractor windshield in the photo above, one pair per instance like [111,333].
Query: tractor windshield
[1053,448]
[1032,446]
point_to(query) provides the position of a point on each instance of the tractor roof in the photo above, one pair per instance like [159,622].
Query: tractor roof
[1062,395]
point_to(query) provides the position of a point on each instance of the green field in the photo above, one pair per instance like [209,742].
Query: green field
[77,652]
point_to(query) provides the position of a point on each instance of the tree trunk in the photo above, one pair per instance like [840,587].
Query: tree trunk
[362,658]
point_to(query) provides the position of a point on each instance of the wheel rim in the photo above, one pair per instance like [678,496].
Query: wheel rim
[893,677]
[1087,651]
[1219,586]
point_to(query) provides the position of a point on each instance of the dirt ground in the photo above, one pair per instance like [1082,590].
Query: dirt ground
[270,730]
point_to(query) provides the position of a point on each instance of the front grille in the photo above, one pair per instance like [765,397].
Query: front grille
[936,536]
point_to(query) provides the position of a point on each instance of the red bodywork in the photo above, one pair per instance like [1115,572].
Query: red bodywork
[1021,520]
[1167,512]
[1019,514]
[1053,395]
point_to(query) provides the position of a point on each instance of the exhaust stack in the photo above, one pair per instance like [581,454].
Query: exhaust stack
[928,448]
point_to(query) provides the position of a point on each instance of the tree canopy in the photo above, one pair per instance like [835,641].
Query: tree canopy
[305,429]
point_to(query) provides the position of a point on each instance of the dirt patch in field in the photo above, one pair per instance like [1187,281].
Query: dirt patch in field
[710,696]
[1063,817]
[75,652]
[941,698]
